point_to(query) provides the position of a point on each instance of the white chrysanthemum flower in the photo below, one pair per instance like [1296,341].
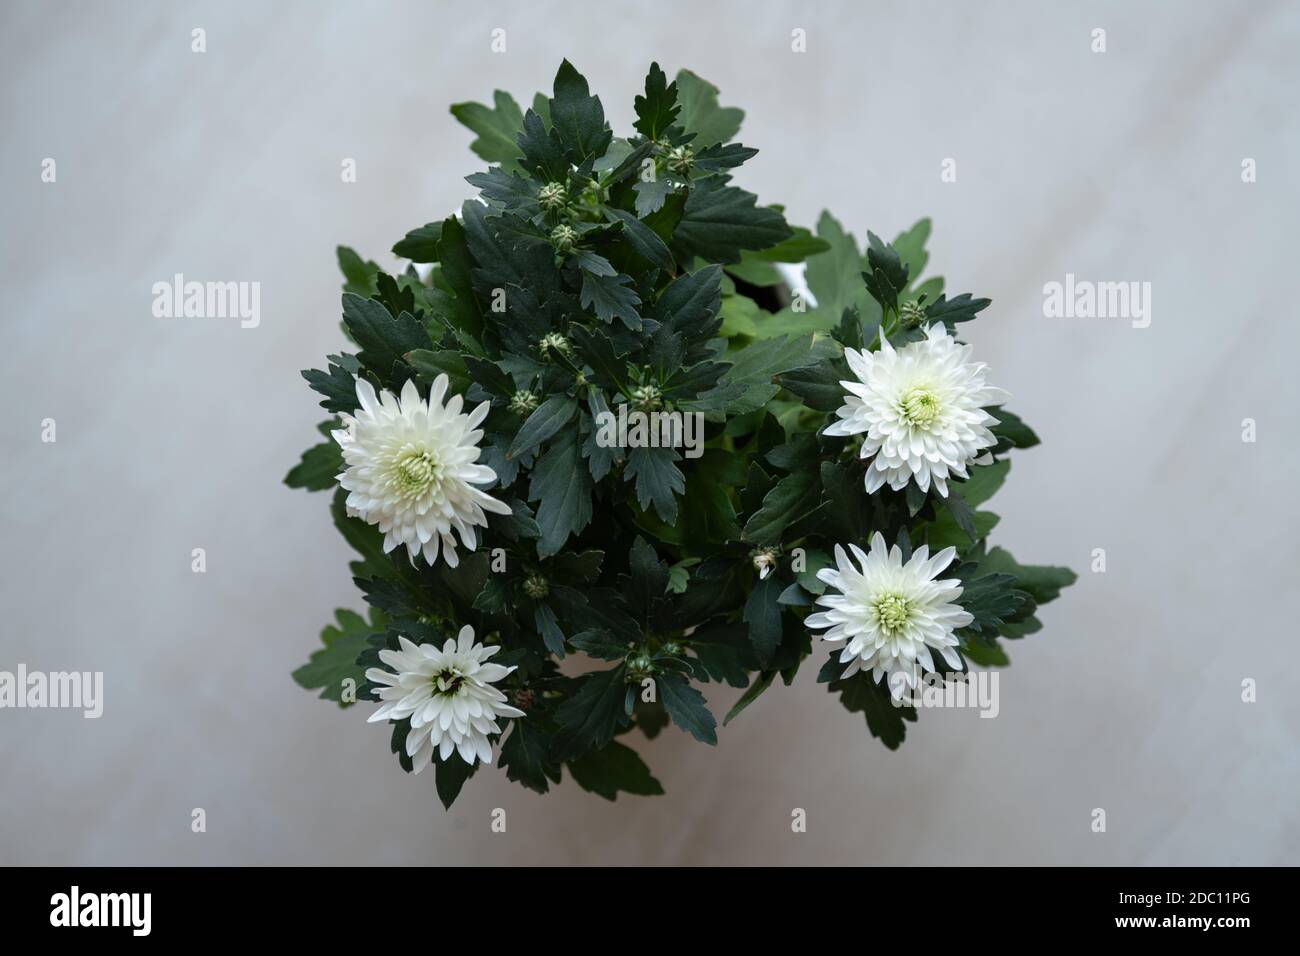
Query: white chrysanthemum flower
[891,614]
[448,695]
[411,469]
[922,409]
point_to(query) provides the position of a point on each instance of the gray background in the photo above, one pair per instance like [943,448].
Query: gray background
[174,434]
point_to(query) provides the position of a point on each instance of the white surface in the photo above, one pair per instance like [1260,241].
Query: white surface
[175,434]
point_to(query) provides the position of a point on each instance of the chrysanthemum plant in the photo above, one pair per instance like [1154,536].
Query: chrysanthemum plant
[832,497]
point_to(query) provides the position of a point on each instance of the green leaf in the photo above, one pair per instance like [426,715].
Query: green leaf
[582,565]
[658,480]
[708,514]
[450,777]
[643,239]
[601,645]
[910,246]
[686,707]
[690,303]
[459,307]
[525,756]
[612,769]
[991,599]
[944,531]
[763,615]
[420,245]
[951,311]
[597,265]
[543,153]
[701,114]
[748,384]
[429,364]
[814,561]
[818,385]
[319,466]
[496,127]
[794,496]
[1011,432]
[657,110]
[985,655]
[961,513]
[562,484]
[490,377]
[545,420]
[338,385]
[335,663]
[714,159]
[861,695]
[797,248]
[578,117]
[646,581]
[596,349]
[549,628]
[886,276]
[835,277]
[756,689]
[651,196]
[984,481]
[719,221]
[384,340]
[1042,582]
[358,274]
[612,297]
[590,717]
[740,316]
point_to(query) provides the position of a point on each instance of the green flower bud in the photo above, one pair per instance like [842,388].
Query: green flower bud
[552,197]
[553,342]
[536,587]
[911,314]
[563,237]
[638,668]
[647,397]
[681,159]
[523,401]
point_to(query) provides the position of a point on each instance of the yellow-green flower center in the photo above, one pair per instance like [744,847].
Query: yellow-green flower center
[416,471]
[919,407]
[892,612]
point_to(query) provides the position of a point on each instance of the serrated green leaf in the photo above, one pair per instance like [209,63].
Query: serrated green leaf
[658,108]
[318,469]
[334,667]
[700,113]
[577,117]
[561,484]
[612,297]
[612,769]
[544,422]
[719,221]
[658,480]
[496,127]
[686,706]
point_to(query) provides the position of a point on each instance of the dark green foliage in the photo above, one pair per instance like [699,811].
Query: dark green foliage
[602,274]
